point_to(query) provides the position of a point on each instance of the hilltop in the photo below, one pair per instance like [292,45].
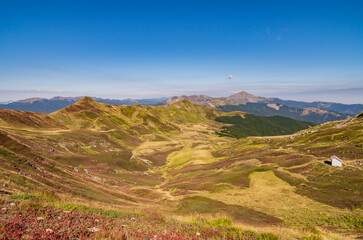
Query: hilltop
[174,171]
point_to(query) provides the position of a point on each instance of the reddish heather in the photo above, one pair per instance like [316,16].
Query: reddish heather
[28,220]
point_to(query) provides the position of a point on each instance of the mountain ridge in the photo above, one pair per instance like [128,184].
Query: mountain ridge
[318,112]
[244,101]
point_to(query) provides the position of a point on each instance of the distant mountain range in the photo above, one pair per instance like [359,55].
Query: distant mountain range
[310,114]
[317,112]
[140,119]
[44,105]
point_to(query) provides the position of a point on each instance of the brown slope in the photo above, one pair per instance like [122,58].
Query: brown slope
[89,114]
[13,118]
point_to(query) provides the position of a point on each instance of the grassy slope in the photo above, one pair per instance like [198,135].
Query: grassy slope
[21,119]
[339,187]
[191,168]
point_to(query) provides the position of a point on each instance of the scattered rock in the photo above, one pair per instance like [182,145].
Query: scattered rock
[123,226]
[198,234]
[66,211]
[12,204]
[76,169]
[5,192]
[133,219]
[101,180]
[4,209]
[94,229]
[86,171]
[48,230]
[96,220]
[40,218]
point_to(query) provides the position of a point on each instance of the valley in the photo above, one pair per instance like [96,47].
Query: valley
[181,171]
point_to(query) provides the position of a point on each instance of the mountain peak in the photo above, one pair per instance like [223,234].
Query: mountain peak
[86,100]
[244,96]
[182,101]
[85,103]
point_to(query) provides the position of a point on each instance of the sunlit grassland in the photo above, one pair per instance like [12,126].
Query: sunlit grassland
[271,195]
[284,232]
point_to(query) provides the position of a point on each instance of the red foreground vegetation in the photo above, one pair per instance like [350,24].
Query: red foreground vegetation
[32,220]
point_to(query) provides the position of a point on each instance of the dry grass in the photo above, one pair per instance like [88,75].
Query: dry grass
[284,232]
[271,195]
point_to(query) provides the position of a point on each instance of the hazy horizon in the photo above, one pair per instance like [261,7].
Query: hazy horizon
[52,95]
[307,51]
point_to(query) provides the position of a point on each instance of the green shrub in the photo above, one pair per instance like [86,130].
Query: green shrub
[23,197]
[268,236]
[49,196]
[313,237]
[219,222]
[312,229]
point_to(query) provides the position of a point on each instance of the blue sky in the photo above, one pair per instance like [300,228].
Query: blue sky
[303,50]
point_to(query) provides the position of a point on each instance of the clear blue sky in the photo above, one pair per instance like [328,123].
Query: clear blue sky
[304,50]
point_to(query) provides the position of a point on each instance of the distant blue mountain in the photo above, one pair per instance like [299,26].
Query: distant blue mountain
[44,105]
[350,109]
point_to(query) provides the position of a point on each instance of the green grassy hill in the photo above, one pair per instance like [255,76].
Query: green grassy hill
[87,113]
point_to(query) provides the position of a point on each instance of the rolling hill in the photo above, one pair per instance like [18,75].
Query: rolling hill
[142,171]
